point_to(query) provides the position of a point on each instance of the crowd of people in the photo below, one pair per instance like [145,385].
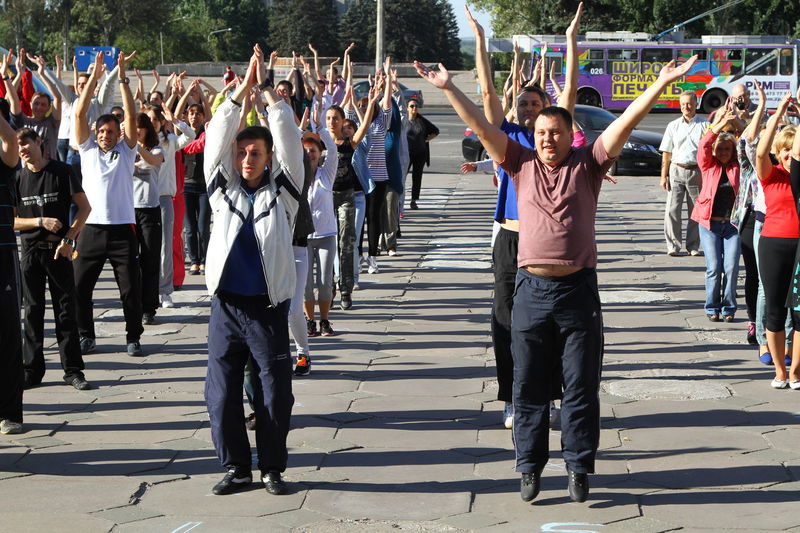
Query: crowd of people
[296,170]
[86,181]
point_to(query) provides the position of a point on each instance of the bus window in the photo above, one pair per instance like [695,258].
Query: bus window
[761,61]
[726,62]
[558,60]
[623,54]
[786,62]
[592,61]
[657,55]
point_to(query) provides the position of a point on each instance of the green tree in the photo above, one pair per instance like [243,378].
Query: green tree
[249,22]
[295,23]
[420,29]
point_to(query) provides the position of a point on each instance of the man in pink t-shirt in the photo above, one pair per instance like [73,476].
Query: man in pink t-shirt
[556,316]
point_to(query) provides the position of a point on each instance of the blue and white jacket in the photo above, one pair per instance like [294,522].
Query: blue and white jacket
[274,204]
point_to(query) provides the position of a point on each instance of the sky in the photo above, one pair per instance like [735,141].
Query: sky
[463,26]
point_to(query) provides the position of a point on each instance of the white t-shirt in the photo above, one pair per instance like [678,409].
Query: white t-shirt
[682,139]
[108,182]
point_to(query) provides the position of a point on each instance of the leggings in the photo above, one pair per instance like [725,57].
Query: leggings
[297,320]
[750,264]
[376,207]
[321,253]
[776,259]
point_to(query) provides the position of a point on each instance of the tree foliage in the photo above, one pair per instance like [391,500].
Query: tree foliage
[295,23]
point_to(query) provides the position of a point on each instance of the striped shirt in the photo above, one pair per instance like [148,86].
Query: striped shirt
[376,157]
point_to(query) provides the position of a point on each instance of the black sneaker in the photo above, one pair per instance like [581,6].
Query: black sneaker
[312,328]
[530,485]
[273,483]
[135,349]
[346,302]
[232,482]
[578,486]
[87,345]
[325,329]
[79,382]
[303,366]
[148,319]
[31,381]
[250,422]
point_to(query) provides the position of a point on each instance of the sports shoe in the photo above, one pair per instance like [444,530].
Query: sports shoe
[135,349]
[346,302]
[250,422]
[554,414]
[765,358]
[779,383]
[79,382]
[751,334]
[355,286]
[673,253]
[87,345]
[232,482]
[311,326]
[166,301]
[273,483]
[372,263]
[794,384]
[325,329]
[578,484]
[695,253]
[194,270]
[508,415]
[414,204]
[529,486]
[303,366]
[393,253]
[148,319]
[9,427]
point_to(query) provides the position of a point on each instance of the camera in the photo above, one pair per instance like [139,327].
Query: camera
[741,105]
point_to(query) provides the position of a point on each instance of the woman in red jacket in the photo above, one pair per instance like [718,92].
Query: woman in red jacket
[719,167]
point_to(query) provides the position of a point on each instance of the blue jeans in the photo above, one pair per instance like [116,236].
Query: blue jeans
[722,249]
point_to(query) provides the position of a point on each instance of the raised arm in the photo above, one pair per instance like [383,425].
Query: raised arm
[157,80]
[515,68]
[139,96]
[366,120]
[8,85]
[9,150]
[492,137]
[80,113]
[617,133]
[570,94]
[763,162]
[316,61]
[346,62]
[386,103]
[40,70]
[127,102]
[754,128]
[492,107]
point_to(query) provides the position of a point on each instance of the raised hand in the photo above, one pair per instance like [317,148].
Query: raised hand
[313,50]
[97,71]
[156,76]
[572,29]
[74,63]
[387,64]
[168,116]
[7,59]
[273,58]
[261,70]
[121,62]
[128,58]
[440,79]
[349,47]
[671,73]
[21,60]
[137,73]
[477,29]
[59,64]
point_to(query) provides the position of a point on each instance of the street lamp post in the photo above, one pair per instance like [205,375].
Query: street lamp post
[217,31]
[379,36]
[161,34]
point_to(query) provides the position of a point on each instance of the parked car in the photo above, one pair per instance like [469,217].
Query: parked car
[361,89]
[640,156]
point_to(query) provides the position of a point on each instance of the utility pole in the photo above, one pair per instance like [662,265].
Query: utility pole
[66,6]
[379,36]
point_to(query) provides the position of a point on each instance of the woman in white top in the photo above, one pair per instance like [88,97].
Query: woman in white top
[149,158]
[170,142]
[321,243]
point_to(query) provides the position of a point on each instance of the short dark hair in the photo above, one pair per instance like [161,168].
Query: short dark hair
[558,112]
[339,111]
[535,89]
[102,120]
[84,75]
[287,83]
[159,93]
[27,133]
[254,133]
[196,107]
[40,93]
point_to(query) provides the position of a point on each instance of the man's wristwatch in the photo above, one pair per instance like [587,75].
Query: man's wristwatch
[68,242]
[124,80]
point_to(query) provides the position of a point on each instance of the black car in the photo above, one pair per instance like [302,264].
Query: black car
[640,156]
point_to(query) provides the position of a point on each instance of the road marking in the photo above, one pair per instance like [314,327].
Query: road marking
[551,527]
[189,525]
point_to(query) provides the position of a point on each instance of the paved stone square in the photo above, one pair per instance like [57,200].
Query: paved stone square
[397,427]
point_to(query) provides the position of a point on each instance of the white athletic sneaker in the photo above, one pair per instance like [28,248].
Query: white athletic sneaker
[9,427]
[166,301]
[508,415]
[372,263]
[392,253]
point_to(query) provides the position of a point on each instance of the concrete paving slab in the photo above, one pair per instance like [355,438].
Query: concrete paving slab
[45,520]
[429,501]
[199,523]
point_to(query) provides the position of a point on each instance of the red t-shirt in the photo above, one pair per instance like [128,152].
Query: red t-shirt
[781,218]
[557,206]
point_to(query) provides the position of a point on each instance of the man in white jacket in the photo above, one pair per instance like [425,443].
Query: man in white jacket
[253,177]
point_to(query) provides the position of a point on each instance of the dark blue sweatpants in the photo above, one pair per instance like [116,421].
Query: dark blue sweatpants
[239,326]
[557,320]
